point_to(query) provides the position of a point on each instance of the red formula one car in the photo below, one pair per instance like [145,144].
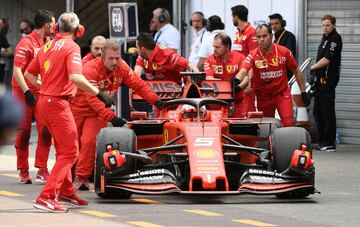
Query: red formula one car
[196,147]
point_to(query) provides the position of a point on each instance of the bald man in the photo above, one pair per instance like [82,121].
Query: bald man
[97,43]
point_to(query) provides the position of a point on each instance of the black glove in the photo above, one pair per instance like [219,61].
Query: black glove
[306,98]
[30,99]
[118,122]
[234,84]
[105,99]
[159,104]
[311,79]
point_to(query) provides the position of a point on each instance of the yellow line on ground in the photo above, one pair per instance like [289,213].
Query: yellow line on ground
[204,212]
[143,200]
[143,224]
[92,190]
[10,194]
[255,223]
[97,213]
[10,175]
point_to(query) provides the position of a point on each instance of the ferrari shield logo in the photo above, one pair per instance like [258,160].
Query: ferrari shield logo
[154,66]
[47,46]
[229,68]
[274,61]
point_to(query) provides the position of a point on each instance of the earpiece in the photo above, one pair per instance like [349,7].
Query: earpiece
[162,17]
[203,22]
[79,32]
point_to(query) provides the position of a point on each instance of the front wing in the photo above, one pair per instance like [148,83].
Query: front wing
[253,181]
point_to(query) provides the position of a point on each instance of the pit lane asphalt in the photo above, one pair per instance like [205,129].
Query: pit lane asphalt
[337,178]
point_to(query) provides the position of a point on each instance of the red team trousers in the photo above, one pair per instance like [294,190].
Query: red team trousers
[24,131]
[280,101]
[87,128]
[60,121]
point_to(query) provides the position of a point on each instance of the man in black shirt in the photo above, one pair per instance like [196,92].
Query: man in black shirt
[282,36]
[326,72]
[5,50]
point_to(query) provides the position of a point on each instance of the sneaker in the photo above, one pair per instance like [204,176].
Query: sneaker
[72,200]
[328,149]
[42,176]
[24,177]
[81,183]
[49,205]
[317,147]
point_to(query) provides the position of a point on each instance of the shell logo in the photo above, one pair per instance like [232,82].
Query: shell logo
[47,65]
[206,154]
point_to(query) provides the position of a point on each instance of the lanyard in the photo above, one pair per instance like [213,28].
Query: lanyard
[276,55]
[157,37]
[277,42]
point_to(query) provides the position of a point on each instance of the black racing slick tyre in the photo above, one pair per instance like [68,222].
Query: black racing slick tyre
[266,130]
[284,142]
[122,139]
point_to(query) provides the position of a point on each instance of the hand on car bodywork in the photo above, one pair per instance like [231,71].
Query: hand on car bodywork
[118,122]
[159,104]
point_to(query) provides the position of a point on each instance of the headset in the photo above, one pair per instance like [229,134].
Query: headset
[211,21]
[283,22]
[204,21]
[162,17]
[279,17]
[79,31]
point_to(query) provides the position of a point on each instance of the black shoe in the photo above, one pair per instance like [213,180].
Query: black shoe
[328,149]
[317,147]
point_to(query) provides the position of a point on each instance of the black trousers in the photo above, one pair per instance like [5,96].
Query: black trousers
[324,114]
[2,73]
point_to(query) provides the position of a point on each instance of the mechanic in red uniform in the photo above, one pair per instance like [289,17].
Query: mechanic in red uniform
[59,64]
[244,42]
[107,74]
[159,63]
[224,64]
[27,94]
[269,62]
[97,43]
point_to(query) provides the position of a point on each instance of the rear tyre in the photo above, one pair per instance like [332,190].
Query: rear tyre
[122,139]
[284,142]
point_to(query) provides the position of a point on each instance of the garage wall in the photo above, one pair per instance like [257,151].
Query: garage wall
[259,10]
[347,15]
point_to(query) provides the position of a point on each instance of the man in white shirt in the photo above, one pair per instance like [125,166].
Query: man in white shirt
[198,22]
[215,26]
[167,35]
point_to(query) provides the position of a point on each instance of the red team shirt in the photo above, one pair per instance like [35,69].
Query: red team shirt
[245,40]
[87,58]
[26,50]
[88,105]
[55,61]
[216,67]
[163,64]
[269,71]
